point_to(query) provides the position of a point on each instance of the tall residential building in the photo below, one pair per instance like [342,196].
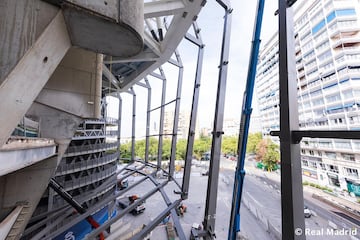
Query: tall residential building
[183,124]
[231,127]
[327,48]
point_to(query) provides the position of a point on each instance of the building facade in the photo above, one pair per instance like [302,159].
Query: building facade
[327,48]
[183,124]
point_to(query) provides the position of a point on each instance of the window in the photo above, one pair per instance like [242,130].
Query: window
[318,27]
[333,168]
[343,144]
[348,157]
[312,164]
[322,166]
[330,155]
[345,12]
[326,144]
[351,172]
[333,98]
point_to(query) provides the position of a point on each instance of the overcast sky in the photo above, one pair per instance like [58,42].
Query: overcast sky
[210,21]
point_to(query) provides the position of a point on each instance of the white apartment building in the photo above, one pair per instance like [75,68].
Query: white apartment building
[183,124]
[327,48]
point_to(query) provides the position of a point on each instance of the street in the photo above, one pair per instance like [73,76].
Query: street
[260,208]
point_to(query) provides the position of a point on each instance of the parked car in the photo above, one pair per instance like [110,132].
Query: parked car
[205,156]
[307,212]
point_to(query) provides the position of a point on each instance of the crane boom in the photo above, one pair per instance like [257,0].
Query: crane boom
[234,226]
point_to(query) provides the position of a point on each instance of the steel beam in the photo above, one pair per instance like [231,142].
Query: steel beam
[193,117]
[119,124]
[133,124]
[145,231]
[94,208]
[338,134]
[292,199]
[173,212]
[161,121]
[147,139]
[176,116]
[211,196]
[108,223]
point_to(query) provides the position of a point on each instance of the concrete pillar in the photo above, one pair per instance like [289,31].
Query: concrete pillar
[98,85]
[23,83]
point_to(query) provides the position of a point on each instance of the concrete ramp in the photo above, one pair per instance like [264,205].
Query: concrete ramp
[18,153]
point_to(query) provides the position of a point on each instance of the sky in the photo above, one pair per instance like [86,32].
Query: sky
[210,21]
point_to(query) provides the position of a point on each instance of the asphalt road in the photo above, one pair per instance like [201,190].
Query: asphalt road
[323,217]
[262,192]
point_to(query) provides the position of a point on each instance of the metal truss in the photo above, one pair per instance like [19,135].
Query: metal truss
[160,42]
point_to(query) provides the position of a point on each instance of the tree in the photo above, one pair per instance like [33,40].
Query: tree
[261,149]
[268,153]
[181,149]
[271,157]
[229,145]
[202,146]
[253,141]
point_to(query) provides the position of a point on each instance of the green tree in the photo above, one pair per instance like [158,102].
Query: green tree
[166,149]
[229,145]
[125,151]
[181,149]
[272,156]
[201,146]
[261,149]
[253,141]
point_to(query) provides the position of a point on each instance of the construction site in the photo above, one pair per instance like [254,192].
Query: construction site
[63,63]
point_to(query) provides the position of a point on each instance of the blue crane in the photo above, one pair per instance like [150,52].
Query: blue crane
[234,226]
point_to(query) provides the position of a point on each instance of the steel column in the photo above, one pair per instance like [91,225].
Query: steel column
[161,123]
[147,137]
[176,116]
[292,199]
[119,124]
[193,117]
[133,124]
[211,197]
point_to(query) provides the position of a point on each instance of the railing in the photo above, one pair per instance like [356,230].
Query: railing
[90,148]
[112,133]
[112,121]
[92,133]
[80,182]
[87,164]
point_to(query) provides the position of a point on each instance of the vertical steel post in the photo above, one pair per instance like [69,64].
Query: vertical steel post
[193,117]
[119,125]
[292,199]
[133,125]
[176,116]
[211,196]
[147,136]
[234,226]
[161,123]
